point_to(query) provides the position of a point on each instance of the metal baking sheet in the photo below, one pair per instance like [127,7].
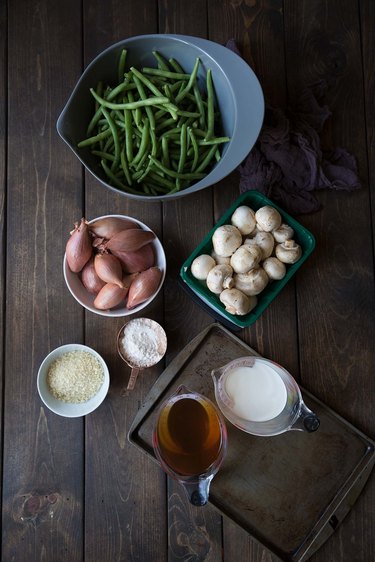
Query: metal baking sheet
[291,491]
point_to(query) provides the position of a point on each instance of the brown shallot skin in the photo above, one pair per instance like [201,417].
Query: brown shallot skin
[144,286]
[109,226]
[133,262]
[79,248]
[108,268]
[90,278]
[109,296]
[129,240]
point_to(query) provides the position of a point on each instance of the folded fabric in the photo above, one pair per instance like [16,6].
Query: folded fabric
[288,163]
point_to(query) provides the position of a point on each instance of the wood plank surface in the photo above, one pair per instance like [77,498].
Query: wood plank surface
[76,489]
[43,469]
[336,324]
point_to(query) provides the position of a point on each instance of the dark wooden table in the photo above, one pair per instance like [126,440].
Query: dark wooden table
[75,489]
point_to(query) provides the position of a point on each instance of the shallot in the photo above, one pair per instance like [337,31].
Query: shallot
[109,226]
[108,268]
[78,247]
[90,278]
[130,240]
[143,286]
[133,262]
[109,296]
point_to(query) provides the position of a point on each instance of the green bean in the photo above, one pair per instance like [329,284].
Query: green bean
[200,105]
[165,152]
[195,148]
[173,174]
[94,139]
[103,155]
[214,140]
[203,165]
[210,106]
[183,149]
[121,65]
[162,63]
[128,134]
[176,66]
[192,79]
[165,73]
[155,129]
[143,97]
[144,142]
[125,167]
[128,105]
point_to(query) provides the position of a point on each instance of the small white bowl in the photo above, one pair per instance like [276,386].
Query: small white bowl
[67,409]
[86,299]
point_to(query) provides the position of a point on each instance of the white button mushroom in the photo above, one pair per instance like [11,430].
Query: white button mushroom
[251,283]
[274,268]
[268,218]
[220,259]
[220,277]
[284,232]
[264,240]
[244,219]
[226,239]
[245,258]
[201,266]
[236,302]
[288,252]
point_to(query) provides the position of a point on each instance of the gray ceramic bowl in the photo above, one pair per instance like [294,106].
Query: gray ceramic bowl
[238,92]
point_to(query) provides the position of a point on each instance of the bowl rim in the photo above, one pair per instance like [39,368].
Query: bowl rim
[72,410]
[119,313]
[239,76]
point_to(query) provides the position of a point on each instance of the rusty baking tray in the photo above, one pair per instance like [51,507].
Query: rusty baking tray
[291,491]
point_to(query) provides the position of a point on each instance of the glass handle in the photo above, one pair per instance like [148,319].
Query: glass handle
[307,420]
[198,492]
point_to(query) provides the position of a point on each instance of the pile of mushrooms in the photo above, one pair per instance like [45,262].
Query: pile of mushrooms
[249,253]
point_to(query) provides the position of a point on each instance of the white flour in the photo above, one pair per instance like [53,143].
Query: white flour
[140,344]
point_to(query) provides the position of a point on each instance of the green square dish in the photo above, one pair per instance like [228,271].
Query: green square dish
[302,236]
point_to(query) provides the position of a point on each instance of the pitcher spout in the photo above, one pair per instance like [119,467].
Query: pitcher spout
[198,491]
[307,420]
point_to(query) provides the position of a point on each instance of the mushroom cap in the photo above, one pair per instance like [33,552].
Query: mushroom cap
[236,302]
[226,239]
[274,268]
[246,257]
[288,251]
[284,232]
[244,219]
[251,283]
[201,266]
[264,240]
[268,218]
[220,277]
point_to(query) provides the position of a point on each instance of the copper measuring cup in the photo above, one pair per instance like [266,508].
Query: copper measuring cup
[159,348]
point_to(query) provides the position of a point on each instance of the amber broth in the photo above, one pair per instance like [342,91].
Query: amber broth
[189,435]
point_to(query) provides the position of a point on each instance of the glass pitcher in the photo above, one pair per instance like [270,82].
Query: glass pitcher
[260,397]
[190,442]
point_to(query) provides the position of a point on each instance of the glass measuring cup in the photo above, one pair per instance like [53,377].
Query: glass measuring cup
[274,405]
[141,343]
[190,442]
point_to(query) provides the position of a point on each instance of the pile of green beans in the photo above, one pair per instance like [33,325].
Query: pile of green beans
[154,132]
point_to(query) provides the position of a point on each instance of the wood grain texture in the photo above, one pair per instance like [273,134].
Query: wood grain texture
[3,184]
[43,468]
[77,490]
[336,324]
[258,30]
[193,534]
[367,23]
[128,487]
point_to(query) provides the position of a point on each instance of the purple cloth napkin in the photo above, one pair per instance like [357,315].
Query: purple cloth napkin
[287,162]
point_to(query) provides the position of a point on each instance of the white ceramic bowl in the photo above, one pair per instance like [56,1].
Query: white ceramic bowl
[238,93]
[67,409]
[86,299]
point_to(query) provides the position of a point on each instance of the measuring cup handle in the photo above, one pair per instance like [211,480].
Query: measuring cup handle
[133,378]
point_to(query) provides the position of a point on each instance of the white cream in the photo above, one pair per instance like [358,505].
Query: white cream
[258,393]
